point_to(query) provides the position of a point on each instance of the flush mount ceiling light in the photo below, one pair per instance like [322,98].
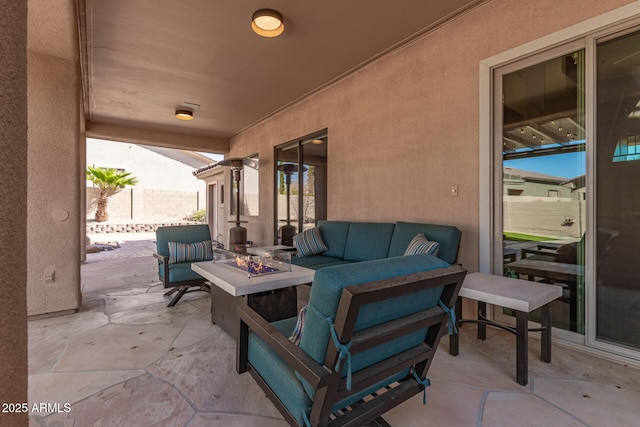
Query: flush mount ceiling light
[184,115]
[267,23]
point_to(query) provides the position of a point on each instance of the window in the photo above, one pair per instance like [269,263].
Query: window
[301,185]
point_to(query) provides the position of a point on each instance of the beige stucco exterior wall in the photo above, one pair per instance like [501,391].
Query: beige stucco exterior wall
[403,129]
[55,165]
[13,208]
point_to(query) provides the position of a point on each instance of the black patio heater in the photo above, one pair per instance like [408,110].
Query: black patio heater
[237,234]
[288,231]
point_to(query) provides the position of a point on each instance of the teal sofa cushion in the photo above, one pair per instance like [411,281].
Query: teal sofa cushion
[367,241]
[317,261]
[275,372]
[325,296]
[448,237]
[334,234]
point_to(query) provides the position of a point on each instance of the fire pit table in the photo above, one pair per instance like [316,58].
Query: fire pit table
[267,284]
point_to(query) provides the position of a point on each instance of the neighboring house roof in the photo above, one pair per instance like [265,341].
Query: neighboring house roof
[205,168]
[533,176]
[189,158]
[575,183]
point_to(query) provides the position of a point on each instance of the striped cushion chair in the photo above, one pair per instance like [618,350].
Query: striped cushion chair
[369,326]
[177,247]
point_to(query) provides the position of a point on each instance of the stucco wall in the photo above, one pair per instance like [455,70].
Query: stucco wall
[54,209]
[403,129]
[13,208]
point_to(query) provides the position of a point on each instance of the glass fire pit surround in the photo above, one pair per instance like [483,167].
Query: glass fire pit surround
[254,265]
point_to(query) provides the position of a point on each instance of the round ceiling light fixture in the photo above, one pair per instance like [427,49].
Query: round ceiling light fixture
[184,115]
[267,23]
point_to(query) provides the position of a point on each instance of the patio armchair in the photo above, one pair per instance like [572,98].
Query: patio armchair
[178,246]
[368,337]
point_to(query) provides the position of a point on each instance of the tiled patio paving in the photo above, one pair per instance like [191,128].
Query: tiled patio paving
[127,360]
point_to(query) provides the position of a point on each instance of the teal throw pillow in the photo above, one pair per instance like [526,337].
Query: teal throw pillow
[421,245]
[309,242]
[190,252]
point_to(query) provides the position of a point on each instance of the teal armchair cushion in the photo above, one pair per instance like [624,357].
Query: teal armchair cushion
[180,272]
[368,241]
[277,374]
[180,234]
[448,237]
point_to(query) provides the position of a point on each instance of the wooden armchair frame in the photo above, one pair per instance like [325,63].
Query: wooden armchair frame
[330,386]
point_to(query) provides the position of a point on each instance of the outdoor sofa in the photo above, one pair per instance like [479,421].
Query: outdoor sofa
[347,242]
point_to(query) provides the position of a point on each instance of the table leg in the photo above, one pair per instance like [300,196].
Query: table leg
[545,342]
[453,338]
[522,350]
[482,315]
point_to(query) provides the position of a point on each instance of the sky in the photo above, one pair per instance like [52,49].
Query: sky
[567,165]
[212,156]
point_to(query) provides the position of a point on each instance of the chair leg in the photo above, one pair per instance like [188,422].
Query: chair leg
[181,291]
[171,291]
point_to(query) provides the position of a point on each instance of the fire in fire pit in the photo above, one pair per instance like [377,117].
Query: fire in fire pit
[253,267]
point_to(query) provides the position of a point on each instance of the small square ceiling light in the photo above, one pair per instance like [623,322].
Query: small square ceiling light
[267,23]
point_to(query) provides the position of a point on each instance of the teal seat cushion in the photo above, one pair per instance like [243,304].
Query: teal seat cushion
[180,272]
[448,237]
[317,261]
[334,234]
[277,374]
[367,241]
[325,296]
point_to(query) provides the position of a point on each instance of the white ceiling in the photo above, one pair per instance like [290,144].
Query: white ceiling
[142,59]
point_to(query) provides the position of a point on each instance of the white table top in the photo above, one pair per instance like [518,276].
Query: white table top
[521,295]
[236,282]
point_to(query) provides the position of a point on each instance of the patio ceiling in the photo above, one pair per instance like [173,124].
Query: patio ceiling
[143,59]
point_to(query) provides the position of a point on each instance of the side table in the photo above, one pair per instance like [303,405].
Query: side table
[523,297]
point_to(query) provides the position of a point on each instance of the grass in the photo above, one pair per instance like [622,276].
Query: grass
[525,237]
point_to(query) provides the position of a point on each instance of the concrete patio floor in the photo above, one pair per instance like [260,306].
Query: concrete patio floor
[127,360]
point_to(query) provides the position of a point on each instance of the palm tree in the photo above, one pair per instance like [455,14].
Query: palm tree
[109,181]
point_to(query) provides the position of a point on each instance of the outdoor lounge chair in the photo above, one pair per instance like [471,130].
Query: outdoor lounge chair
[369,335]
[189,243]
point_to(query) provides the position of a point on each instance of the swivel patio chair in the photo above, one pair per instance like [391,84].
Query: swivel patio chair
[368,338]
[177,247]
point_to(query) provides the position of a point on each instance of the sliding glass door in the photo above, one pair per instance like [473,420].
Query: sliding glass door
[566,183]
[542,177]
[617,249]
